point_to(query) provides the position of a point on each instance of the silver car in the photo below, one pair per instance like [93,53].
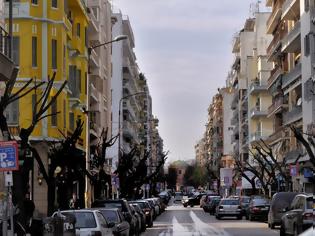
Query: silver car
[229,207]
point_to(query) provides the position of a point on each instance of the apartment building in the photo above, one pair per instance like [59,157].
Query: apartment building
[214,134]
[48,37]
[131,101]
[200,153]
[291,81]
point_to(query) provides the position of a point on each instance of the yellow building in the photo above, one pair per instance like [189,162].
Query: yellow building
[50,36]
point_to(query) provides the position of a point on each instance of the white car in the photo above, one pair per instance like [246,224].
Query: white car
[88,222]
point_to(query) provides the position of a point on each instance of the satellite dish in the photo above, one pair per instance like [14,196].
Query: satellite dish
[299,102]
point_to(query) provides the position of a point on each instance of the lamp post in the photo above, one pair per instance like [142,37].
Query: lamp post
[87,149]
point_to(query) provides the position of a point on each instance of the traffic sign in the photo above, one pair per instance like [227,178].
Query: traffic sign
[9,156]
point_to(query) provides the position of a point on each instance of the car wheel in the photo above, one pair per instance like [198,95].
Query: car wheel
[191,205]
[218,217]
[282,231]
[272,226]
[239,217]
[295,230]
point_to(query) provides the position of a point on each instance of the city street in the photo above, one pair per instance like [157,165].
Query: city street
[180,221]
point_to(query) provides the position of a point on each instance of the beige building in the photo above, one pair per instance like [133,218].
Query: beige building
[200,152]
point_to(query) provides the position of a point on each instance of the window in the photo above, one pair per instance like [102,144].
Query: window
[306,5]
[78,80]
[64,114]
[34,101]
[71,120]
[54,3]
[12,113]
[78,30]
[16,50]
[307,45]
[54,54]
[34,51]
[35,2]
[54,112]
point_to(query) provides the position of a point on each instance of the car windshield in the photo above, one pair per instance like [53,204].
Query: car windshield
[245,200]
[230,202]
[83,219]
[259,201]
[110,216]
[112,205]
[310,204]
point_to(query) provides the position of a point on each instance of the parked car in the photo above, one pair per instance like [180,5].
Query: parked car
[299,217]
[138,217]
[193,201]
[229,207]
[88,222]
[165,196]
[258,209]
[121,204]
[155,208]
[279,201]
[145,206]
[178,196]
[211,204]
[244,200]
[114,217]
[138,209]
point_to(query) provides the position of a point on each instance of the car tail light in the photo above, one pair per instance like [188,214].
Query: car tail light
[308,216]
[96,233]
[256,209]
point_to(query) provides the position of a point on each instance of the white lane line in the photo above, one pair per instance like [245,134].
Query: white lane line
[205,229]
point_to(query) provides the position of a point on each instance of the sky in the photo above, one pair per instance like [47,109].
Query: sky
[183,47]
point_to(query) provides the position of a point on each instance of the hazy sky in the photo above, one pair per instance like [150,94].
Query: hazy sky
[184,49]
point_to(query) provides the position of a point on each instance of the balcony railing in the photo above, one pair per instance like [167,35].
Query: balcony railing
[279,103]
[274,75]
[274,45]
[292,41]
[257,112]
[290,9]
[274,17]
[257,86]
[293,115]
[292,75]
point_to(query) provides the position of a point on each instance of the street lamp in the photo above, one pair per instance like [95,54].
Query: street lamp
[116,39]
[119,114]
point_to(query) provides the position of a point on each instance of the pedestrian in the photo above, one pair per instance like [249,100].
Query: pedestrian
[73,204]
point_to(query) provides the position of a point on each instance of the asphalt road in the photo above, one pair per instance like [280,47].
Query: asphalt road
[180,221]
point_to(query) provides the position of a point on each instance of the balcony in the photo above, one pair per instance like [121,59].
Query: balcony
[94,94]
[6,65]
[291,156]
[234,100]
[274,18]
[236,62]
[128,130]
[20,10]
[256,112]
[274,48]
[257,86]
[274,75]
[293,115]
[94,23]
[292,76]
[277,136]
[94,60]
[278,105]
[258,136]
[292,41]
[290,9]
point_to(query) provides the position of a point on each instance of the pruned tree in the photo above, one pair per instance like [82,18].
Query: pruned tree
[97,163]
[132,171]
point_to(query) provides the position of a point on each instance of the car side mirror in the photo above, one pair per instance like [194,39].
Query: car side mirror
[111,224]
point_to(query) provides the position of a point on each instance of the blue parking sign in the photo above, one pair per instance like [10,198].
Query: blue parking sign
[9,156]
